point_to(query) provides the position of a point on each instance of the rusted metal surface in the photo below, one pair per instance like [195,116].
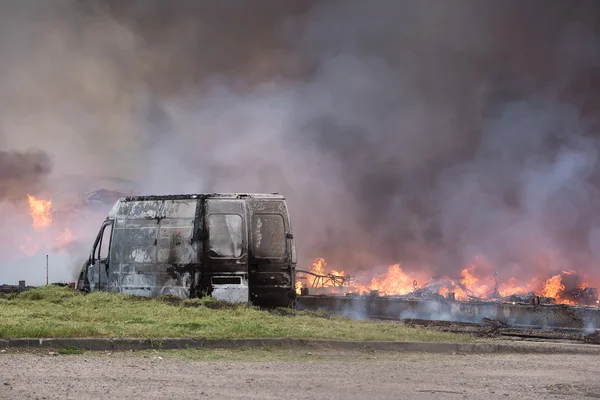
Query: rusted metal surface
[235,247]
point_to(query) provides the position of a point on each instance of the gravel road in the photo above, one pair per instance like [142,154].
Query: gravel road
[302,375]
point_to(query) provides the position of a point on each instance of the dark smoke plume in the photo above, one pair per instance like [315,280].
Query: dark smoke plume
[423,133]
[22,173]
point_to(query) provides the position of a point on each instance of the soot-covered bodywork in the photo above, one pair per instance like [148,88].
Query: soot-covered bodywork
[235,247]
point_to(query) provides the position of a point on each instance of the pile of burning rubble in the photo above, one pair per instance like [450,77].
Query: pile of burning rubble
[565,287]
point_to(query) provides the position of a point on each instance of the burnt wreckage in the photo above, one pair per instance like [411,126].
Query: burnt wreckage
[234,247]
[524,315]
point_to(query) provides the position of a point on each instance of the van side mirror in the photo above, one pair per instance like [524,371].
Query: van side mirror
[289,235]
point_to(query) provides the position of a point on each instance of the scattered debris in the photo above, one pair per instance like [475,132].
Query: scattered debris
[593,338]
[585,296]
[328,280]
[493,328]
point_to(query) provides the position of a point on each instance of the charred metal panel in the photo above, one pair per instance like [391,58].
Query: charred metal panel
[203,196]
[272,279]
[225,251]
[174,244]
[177,256]
[185,245]
[271,270]
[153,253]
[134,246]
[225,206]
[226,235]
[134,242]
[136,210]
[268,235]
[176,231]
[179,209]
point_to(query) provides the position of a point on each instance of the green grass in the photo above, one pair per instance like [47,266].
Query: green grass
[52,311]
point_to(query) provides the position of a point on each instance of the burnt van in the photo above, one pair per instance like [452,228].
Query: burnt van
[235,247]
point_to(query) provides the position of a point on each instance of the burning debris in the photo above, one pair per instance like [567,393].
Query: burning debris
[585,296]
[563,288]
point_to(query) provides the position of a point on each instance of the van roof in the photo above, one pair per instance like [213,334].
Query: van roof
[151,205]
[203,196]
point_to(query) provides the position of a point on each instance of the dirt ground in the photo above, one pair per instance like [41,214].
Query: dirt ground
[296,374]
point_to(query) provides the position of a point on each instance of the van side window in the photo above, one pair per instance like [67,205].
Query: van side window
[225,235]
[104,243]
[268,236]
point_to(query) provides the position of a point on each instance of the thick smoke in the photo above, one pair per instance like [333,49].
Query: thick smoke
[423,133]
[22,173]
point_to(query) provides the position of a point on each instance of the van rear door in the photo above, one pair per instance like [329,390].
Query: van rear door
[225,256]
[271,268]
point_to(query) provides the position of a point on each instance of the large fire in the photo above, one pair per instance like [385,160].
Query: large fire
[390,283]
[472,284]
[40,212]
[553,287]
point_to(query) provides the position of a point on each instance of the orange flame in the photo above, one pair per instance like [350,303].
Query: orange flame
[395,281]
[513,286]
[472,283]
[443,291]
[459,293]
[40,211]
[318,267]
[298,287]
[553,287]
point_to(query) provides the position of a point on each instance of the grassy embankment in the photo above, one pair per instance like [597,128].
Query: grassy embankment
[58,312]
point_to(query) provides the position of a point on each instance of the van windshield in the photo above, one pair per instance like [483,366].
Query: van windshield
[268,236]
[225,235]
